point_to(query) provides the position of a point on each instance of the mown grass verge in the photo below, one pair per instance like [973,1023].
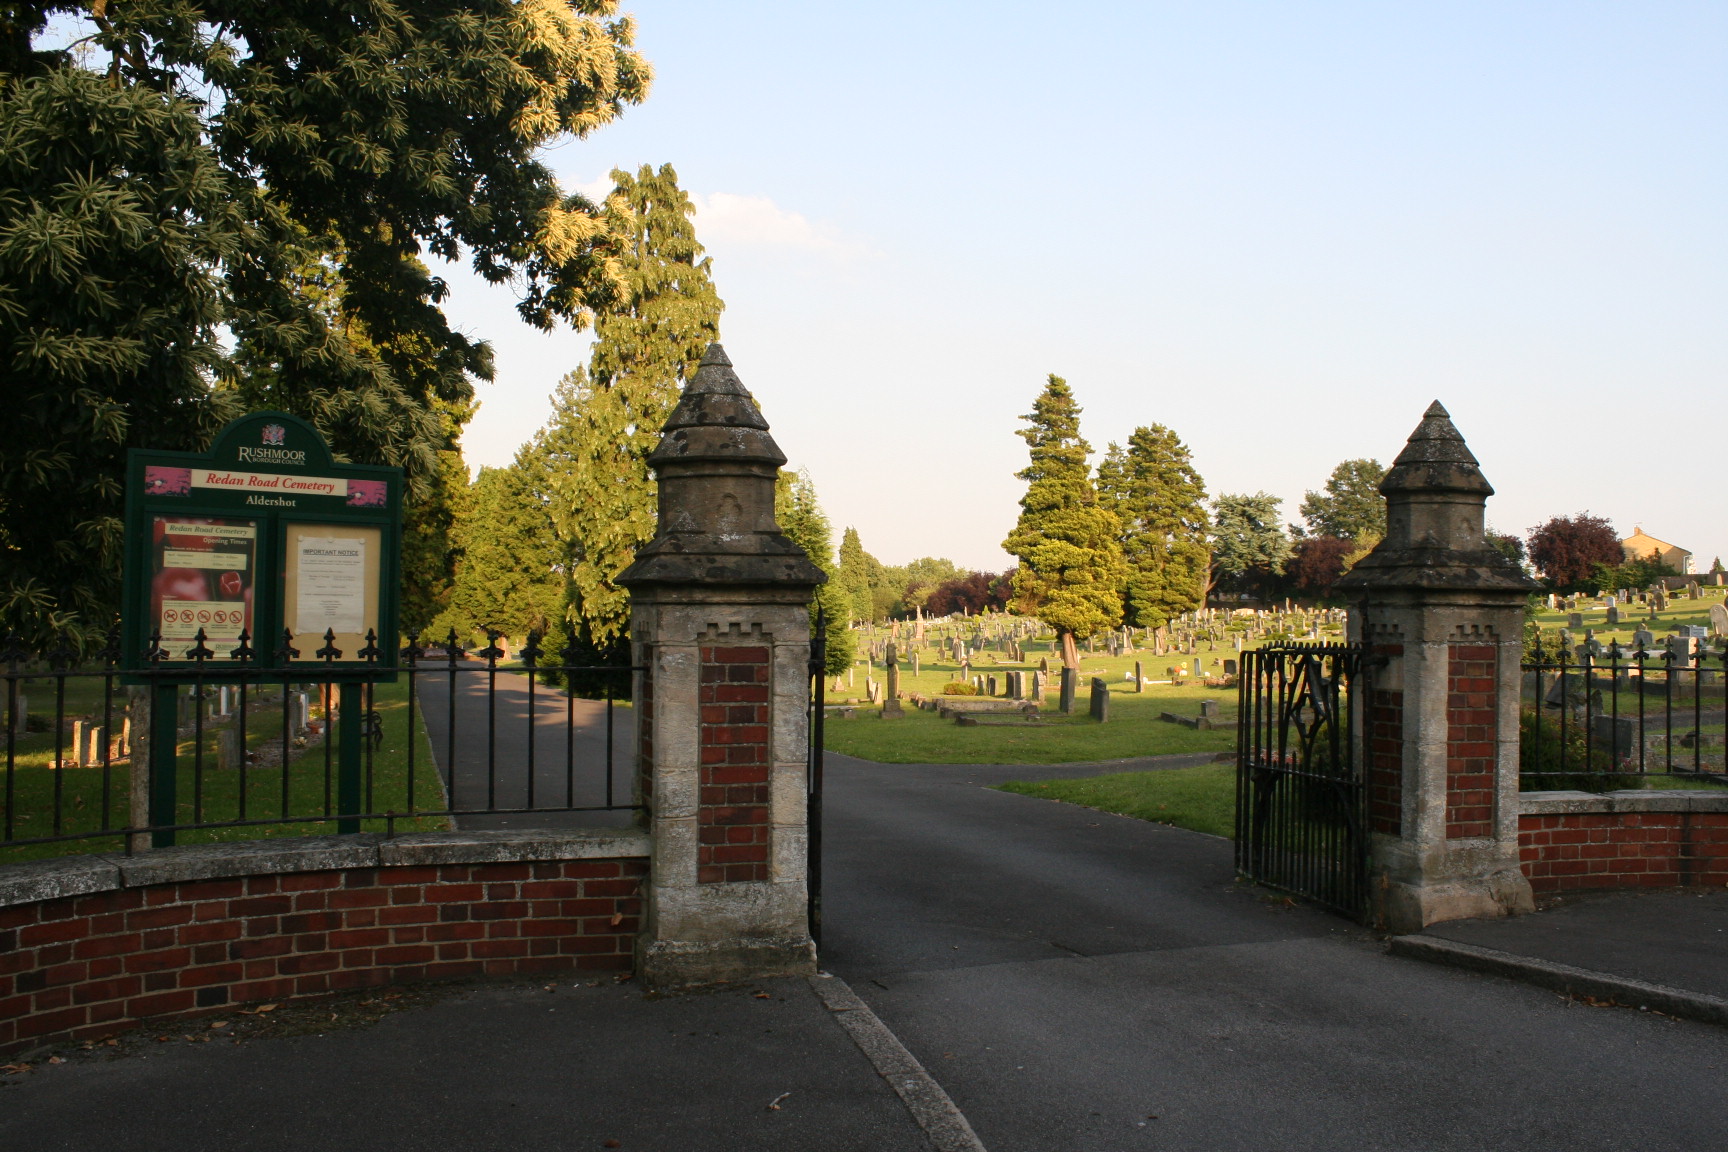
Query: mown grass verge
[1202,798]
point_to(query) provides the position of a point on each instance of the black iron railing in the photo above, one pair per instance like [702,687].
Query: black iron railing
[101,757]
[1601,717]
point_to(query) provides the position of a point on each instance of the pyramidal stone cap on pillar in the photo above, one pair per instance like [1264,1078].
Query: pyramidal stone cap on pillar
[1435,519]
[716,465]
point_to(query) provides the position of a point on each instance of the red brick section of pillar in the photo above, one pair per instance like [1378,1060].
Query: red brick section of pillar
[720,620]
[1442,612]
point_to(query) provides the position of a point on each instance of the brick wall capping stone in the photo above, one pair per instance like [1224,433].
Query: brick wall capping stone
[39,880]
[1624,802]
[485,847]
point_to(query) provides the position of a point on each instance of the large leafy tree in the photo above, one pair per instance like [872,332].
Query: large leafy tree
[608,417]
[1350,506]
[277,171]
[1161,500]
[1071,569]
[1567,549]
[800,516]
[1249,547]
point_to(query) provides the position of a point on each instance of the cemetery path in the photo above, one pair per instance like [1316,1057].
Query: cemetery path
[1088,982]
[569,750]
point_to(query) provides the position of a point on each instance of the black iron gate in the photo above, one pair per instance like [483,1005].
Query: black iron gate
[813,773]
[1300,799]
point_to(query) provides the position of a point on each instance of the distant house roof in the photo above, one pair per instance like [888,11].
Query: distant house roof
[1641,543]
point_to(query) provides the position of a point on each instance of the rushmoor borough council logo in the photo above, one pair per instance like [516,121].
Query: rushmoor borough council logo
[275,434]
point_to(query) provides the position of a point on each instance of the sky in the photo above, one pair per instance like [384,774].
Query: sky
[1279,229]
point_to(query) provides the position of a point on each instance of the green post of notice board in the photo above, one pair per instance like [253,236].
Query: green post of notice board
[275,558]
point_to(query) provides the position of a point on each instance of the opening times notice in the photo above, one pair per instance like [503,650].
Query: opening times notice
[202,579]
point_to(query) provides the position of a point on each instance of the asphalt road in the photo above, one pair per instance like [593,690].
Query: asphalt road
[1081,982]
[567,752]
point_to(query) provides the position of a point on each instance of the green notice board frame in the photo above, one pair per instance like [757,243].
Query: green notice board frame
[264,533]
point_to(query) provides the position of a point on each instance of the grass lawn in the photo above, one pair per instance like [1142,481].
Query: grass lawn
[81,790]
[1132,730]
[1202,798]
[1632,616]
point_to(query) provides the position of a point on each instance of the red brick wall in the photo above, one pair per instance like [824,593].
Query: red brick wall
[1385,721]
[732,817]
[1472,729]
[91,965]
[1565,853]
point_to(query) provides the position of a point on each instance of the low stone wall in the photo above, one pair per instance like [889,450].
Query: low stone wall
[1572,841]
[93,944]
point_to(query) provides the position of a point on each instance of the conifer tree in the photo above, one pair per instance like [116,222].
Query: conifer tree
[608,418]
[1249,546]
[852,576]
[1161,501]
[1071,569]
[800,516]
[507,577]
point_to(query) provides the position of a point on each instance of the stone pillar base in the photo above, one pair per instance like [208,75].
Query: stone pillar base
[668,965]
[1410,906]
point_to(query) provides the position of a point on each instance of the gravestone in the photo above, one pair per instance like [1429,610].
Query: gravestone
[1139,678]
[1719,619]
[1575,620]
[1066,701]
[1209,709]
[78,742]
[891,709]
[1229,667]
[1100,702]
[228,750]
[1613,615]
[990,686]
[1197,667]
[1643,638]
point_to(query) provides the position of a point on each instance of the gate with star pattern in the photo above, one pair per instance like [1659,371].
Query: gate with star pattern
[1300,796]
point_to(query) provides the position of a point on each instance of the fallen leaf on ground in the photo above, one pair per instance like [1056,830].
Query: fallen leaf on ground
[218,1023]
[13,1069]
[774,1104]
[55,1060]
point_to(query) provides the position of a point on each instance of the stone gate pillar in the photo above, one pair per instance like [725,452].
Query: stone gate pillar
[719,619]
[1442,613]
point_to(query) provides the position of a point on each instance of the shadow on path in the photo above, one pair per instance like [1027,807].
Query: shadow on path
[572,754]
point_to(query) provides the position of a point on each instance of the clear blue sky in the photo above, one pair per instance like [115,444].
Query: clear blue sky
[1280,229]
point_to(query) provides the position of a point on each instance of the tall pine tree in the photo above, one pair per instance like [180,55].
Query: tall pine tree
[800,516]
[852,576]
[608,418]
[506,577]
[1071,568]
[1161,501]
